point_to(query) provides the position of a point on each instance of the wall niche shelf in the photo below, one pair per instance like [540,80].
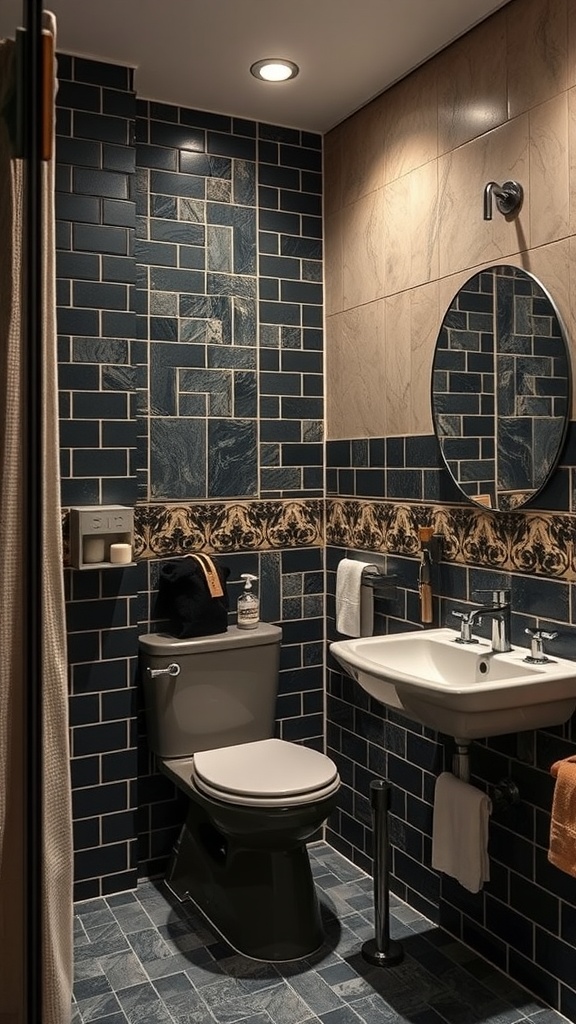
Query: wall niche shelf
[93,531]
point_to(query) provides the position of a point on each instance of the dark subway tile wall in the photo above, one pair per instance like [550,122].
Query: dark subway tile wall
[180,309]
[229,222]
[519,913]
[93,283]
[96,324]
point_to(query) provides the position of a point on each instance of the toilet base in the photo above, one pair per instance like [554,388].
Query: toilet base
[262,901]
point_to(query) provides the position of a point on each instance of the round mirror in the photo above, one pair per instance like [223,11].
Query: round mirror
[501,387]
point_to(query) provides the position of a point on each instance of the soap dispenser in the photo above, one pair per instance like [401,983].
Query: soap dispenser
[248,607]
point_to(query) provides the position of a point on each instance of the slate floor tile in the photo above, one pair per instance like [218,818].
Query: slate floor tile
[145,958]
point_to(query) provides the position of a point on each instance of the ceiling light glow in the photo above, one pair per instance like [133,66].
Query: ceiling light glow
[274,69]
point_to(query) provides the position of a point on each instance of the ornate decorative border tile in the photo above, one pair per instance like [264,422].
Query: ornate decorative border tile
[165,530]
[538,543]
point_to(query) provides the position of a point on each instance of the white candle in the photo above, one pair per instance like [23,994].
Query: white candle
[120,553]
[94,549]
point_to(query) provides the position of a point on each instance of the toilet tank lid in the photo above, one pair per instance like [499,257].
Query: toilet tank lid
[164,644]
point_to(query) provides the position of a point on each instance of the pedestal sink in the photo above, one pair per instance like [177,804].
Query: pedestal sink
[466,691]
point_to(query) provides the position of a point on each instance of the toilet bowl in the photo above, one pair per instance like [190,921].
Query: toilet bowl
[254,800]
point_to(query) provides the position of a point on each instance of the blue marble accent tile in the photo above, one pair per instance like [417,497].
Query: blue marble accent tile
[163,206]
[178,459]
[244,183]
[217,385]
[231,357]
[245,395]
[233,465]
[167,361]
[219,249]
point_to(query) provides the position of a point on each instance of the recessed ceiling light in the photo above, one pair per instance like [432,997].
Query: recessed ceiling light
[274,69]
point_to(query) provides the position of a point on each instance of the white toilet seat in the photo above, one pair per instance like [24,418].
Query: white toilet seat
[265,773]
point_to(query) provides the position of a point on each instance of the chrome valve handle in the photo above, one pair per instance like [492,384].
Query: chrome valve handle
[538,636]
[465,628]
[171,670]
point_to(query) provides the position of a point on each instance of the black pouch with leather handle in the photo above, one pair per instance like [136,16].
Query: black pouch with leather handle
[192,596]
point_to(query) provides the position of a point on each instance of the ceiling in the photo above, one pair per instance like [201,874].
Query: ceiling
[197,53]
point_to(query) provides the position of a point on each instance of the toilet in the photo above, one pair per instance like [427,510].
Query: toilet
[253,800]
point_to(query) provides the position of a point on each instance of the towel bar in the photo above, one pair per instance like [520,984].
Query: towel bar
[378,581]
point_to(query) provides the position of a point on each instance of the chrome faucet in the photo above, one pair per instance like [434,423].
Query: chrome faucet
[499,612]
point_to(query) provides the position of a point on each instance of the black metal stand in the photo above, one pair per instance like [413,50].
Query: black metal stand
[381,951]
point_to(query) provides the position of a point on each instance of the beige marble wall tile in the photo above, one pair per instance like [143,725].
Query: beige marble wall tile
[362,148]
[425,320]
[363,250]
[396,222]
[549,183]
[398,375]
[356,384]
[465,238]
[400,251]
[571,60]
[332,165]
[472,84]
[572,156]
[333,292]
[424,223]
[571,322]
[411,229]
[537,52]
[411,122]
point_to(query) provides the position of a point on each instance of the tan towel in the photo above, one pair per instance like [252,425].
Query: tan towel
[562,852]
[460,832]
[354,603]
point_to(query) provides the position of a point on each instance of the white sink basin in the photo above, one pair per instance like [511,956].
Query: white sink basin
[463,690]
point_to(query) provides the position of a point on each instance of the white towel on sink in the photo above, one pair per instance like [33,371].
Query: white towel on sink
[354,603]
[460,832]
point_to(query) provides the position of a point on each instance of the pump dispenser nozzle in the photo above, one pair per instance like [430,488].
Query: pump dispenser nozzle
[248,607]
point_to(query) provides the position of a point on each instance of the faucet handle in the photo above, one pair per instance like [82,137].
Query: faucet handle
[537,656]
[465,628]
[499,597]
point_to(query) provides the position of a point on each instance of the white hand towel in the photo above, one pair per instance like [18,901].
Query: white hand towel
[460,832]
[354,603]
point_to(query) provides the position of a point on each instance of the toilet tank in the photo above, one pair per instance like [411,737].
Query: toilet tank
[221,689]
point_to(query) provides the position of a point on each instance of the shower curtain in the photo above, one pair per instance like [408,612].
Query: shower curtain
[56,978]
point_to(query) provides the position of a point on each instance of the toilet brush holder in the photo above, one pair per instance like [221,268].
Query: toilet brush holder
[381,951]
